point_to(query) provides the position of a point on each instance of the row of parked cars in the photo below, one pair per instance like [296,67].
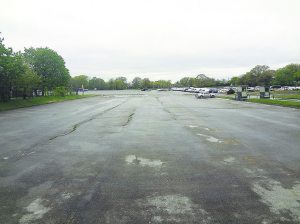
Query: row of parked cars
[195,90]
[224,90]
[200,92]
[284,88]
[211,92]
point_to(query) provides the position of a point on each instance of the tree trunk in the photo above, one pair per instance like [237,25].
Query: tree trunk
[5,94]
[24,93]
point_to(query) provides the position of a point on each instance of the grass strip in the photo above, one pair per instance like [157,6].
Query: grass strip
[288,96]
[276,102]
[230,97]
[35,101]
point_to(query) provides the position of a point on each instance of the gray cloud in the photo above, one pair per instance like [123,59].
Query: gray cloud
[159,39]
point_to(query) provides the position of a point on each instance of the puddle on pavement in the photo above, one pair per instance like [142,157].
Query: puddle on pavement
[280,200]
[231,142]
[134,160]
[193,126]
[250,159]
[66,195]
[211,138]
[36,211]
[229,159]
[257,172]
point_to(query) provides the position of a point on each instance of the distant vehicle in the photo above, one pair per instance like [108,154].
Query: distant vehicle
[251,89]
[214,90]
[81,90]
[190,90]
[291,88]
[37,93]
[257,88]
[202,95]
[224,90]
[275,87]
[178,88]
[205,90]
[196,90]
[230,91]
[145,89]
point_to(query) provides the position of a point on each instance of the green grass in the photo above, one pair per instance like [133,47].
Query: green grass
[230,97]
[276,102]
[287,96]
[20,103]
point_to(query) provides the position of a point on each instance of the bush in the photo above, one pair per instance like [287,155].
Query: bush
[60,91]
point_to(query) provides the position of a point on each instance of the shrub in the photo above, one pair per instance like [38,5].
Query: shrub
[60,91]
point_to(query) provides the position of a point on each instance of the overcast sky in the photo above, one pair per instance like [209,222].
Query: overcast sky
[159,39]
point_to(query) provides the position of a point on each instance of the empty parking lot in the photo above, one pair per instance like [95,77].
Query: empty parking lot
[150,157]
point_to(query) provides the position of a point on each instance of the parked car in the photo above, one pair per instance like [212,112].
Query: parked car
[230,91]
[202,95]
[214,90]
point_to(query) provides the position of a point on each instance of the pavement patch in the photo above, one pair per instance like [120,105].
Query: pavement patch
[36,211]
[211,138]
[134,160]
[280,200]
[229,160]
[66,195]
[172,204]
[174,208]
[193,126]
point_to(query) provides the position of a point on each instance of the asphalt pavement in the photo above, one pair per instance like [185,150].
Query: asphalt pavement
[150,157]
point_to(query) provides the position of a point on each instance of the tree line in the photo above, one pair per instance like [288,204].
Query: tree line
[262,75]
[119,83]
[36,71]
[42,71]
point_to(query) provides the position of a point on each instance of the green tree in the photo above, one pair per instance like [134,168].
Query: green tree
[136,83]
[288,75]
[111,84]
[146,83]
[49,66]
[259,75]
[97,83]
[187,82]
[162,84]
[11,68]
[297,78]
[121,83]
[234,81]
[203,81]
[79,82]
[266,78]
[28,81]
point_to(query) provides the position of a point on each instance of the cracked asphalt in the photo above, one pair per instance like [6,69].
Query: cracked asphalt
[150,157]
